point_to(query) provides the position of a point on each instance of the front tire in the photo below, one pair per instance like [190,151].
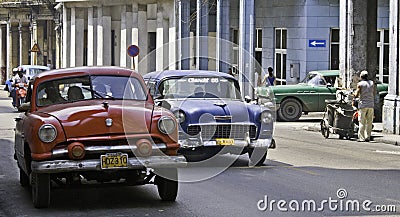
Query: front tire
[23,178]
[167,184]
[40,190]
[257,156]
[290,110]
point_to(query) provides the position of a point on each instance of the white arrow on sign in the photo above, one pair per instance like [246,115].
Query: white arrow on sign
[315,43]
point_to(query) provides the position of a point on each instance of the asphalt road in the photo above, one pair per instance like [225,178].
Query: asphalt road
[305,168]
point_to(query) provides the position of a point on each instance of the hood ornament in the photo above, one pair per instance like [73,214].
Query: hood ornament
[109,122]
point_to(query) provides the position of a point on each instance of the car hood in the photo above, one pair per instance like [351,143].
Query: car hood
[83,119]
[212,111]
[290,88]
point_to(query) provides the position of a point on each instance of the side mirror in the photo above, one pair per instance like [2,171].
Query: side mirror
[247,99]
[158,102]
[163,103]
[24,107]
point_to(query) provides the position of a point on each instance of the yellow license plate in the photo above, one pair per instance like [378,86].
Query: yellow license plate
[225,141]
[114,160]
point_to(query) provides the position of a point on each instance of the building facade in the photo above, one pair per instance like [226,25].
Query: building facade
[99,33]
[23,25]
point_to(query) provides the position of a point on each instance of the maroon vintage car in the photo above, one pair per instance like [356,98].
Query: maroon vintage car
[95,125]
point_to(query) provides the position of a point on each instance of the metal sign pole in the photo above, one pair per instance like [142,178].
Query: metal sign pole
[133,51]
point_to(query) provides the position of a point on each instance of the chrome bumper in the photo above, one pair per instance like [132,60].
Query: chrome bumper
[59,166]
[195,143]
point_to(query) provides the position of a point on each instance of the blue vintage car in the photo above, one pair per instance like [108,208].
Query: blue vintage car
[213,116]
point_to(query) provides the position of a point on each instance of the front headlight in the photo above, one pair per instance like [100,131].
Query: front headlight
[166,125]
[266,117]
[47,133]
[180,116]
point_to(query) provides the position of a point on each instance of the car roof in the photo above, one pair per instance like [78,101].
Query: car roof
[326,72]
[158,75]
[87,70]
[34,67]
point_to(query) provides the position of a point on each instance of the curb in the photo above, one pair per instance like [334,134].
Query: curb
[378,136]
[394,142]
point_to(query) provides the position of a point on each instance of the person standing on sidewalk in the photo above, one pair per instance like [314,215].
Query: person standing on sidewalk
[365,91]
[270,79]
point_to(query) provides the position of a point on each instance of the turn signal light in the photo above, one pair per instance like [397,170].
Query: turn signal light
[144,148]
[76,151]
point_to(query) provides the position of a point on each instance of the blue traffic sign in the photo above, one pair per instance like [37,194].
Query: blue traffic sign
[133,50]
[316,43]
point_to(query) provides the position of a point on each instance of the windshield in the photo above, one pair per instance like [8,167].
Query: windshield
[314,79]
[73,89]
[35,71]
[199,87]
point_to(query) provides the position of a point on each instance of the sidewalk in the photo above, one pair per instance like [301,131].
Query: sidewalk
[377,134]
[7,115]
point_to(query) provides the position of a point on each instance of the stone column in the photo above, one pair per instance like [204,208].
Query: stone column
[65,38]
[100,36]
[172,43]
[3,54]
[90,37]
[202,35]
[135,31]
[58,44]
[184,34]
[107,36]
[50,45]
[25,44]
[9,49]
[159,40]
[129,20]
[360,29]
[79,36]
[246,46]
[223,42]
[34,40]
[76,42]
[343,55]
[143,40]
[3,49]
[391,107]
[103,36]
[124,38]
[73,38]
[21,48]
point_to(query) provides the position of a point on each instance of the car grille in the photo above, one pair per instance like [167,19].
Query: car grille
[223,131]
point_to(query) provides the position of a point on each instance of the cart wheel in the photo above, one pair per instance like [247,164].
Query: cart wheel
[351,132]
[325,128]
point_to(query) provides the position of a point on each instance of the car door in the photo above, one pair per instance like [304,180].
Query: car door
[311,93]
[19,141]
